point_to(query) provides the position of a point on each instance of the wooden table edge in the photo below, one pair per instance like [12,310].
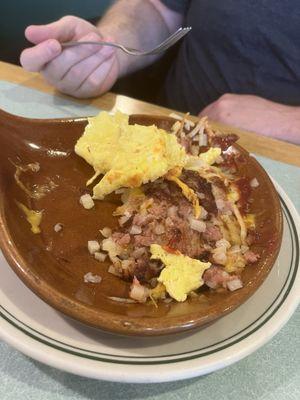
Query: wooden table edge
[268,147]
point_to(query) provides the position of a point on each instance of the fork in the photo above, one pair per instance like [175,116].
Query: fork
[163,46]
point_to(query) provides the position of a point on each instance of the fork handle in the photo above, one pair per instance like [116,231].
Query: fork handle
[99,43]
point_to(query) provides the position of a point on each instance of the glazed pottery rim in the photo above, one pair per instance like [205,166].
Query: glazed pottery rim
[110,321]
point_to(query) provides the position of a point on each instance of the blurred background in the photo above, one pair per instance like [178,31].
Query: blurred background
[16,15]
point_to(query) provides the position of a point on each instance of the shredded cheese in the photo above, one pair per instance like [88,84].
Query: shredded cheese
[188,194]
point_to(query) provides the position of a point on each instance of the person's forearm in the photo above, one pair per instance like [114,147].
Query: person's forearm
[139,24]
[292,131]
[255,114]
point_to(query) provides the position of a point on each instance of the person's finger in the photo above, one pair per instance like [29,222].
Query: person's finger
[100,80]
[58,68]
[62,30]
[35,58]
[79,72]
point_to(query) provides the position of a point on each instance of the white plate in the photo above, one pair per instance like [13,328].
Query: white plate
[37,330]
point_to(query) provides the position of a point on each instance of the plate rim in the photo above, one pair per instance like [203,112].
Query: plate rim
[182,371]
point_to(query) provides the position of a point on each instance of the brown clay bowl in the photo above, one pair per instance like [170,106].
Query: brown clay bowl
[53,264]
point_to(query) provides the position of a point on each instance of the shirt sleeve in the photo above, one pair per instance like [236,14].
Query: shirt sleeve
[177,5]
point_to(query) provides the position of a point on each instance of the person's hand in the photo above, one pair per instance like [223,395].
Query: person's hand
[256,114]
[84,71]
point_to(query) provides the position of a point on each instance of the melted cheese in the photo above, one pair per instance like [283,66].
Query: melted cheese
[33,217]
[181,274]
[188,193]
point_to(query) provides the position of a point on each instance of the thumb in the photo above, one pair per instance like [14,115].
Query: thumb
[61,30]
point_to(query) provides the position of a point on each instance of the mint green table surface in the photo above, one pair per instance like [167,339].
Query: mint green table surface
[271,373]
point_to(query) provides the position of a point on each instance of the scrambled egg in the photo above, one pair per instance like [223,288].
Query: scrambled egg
[181,274]
[33,217]
[127,155]
[211,155]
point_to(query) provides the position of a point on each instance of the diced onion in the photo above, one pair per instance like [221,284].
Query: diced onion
[93,246]
[220,256]
[244,248]
[58,227]
[126,264]
[138,292]
[113,270]
[86,201]
[159,229]
[90,278]
[235,249]
[106,232]
[220,204]
[197,225]
[204,213]
[135,230]
[172,212]
[223,243]
[254,183]
[234,284]
[100,256]
[124,219]
[111,247]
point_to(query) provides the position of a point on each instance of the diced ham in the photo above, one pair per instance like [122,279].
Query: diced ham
[137,253]
[141,220]
[212,233]
[143,240]
[224,141]
[216,277]
[172,212]
[251,257]
[121,238]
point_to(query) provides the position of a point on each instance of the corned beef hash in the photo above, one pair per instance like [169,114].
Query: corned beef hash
[184,221]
